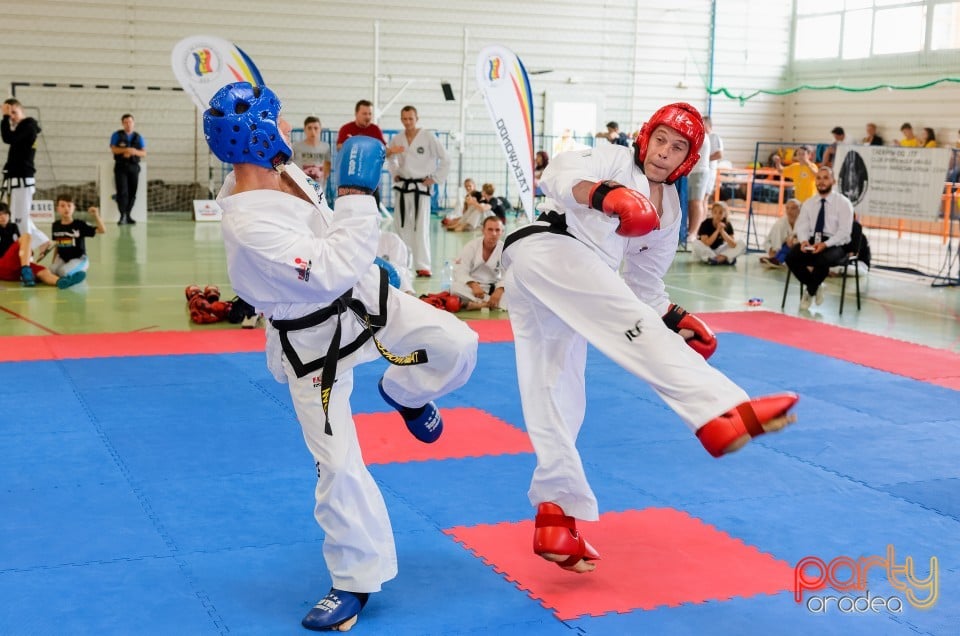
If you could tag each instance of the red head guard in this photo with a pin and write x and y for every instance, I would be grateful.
(683, 118)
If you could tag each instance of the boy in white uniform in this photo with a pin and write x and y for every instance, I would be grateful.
(312, 273)
(605, 208)
(417, 161)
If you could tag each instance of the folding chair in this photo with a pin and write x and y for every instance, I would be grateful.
(852, 258)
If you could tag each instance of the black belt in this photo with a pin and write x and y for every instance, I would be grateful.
(407, 186)
(556, 223)
(10, 183)
(371, 322)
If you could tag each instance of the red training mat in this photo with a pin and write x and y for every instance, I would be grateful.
(649, 558)
(467, 432)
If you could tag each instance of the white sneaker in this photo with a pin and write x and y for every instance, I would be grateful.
(805, 300)
(819, 296)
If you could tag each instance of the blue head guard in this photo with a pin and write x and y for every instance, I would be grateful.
(242, 126)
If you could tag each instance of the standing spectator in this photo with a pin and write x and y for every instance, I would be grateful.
(781, 238)
(16, 257)
(928, 138)
(606, 210)
(419, 162)
(716, 154)
(362, 124)
(18, 172)
(477, 272)
(613, 135)
(909, 140)
(872, 138)
(831, 152)
(310, 269)
(311, 154)
(69, 237)
(697, 182)
(823, 228)
(128, 147)
(803, 173)
(715, 242)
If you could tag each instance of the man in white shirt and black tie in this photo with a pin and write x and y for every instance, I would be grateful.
(823, 227)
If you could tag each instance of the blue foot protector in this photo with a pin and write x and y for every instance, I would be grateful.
(424, 423)
(337, 611)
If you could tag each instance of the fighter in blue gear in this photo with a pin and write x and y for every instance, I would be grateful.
(311, 271)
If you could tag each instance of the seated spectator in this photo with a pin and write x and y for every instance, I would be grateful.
(613, 135)
(781, 237)
(540, 163)
(872, 138)
(476, 208)
(803, 173)
(69, 237)
(928, 138)
(477, 272)
(909, 140)
(499, 206)
(823, 230)
(471, 194)
(15, 257)
(715, 242)
(831, 151)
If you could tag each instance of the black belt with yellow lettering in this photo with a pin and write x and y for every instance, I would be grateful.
(372, 323)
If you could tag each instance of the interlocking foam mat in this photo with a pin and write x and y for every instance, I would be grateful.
(161, 485)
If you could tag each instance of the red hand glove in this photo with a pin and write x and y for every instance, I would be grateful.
(703, 341)
(637, 215)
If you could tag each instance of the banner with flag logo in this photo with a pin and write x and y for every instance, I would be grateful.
(503, 81)
(203, 64)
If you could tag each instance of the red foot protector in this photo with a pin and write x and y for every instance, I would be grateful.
(651, 558)
(467, 432)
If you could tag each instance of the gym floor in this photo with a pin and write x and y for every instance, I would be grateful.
(138, 273)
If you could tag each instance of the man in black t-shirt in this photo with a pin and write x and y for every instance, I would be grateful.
(69, 236)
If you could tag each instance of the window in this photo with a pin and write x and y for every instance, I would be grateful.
(945, 28)
(858, 29)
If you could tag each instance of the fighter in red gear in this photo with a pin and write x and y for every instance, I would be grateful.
(590, 270)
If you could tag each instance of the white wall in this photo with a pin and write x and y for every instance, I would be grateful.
(630, 57)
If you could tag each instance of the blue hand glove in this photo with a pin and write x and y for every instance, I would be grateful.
(360, 163)
(392, 274)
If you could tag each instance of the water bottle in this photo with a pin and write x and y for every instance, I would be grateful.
(446, 276)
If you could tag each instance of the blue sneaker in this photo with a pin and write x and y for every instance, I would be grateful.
(424, 423)
(337, 611)
(71, 279)
(26, 275)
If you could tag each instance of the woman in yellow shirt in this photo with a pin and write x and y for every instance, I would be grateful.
(928, 138)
